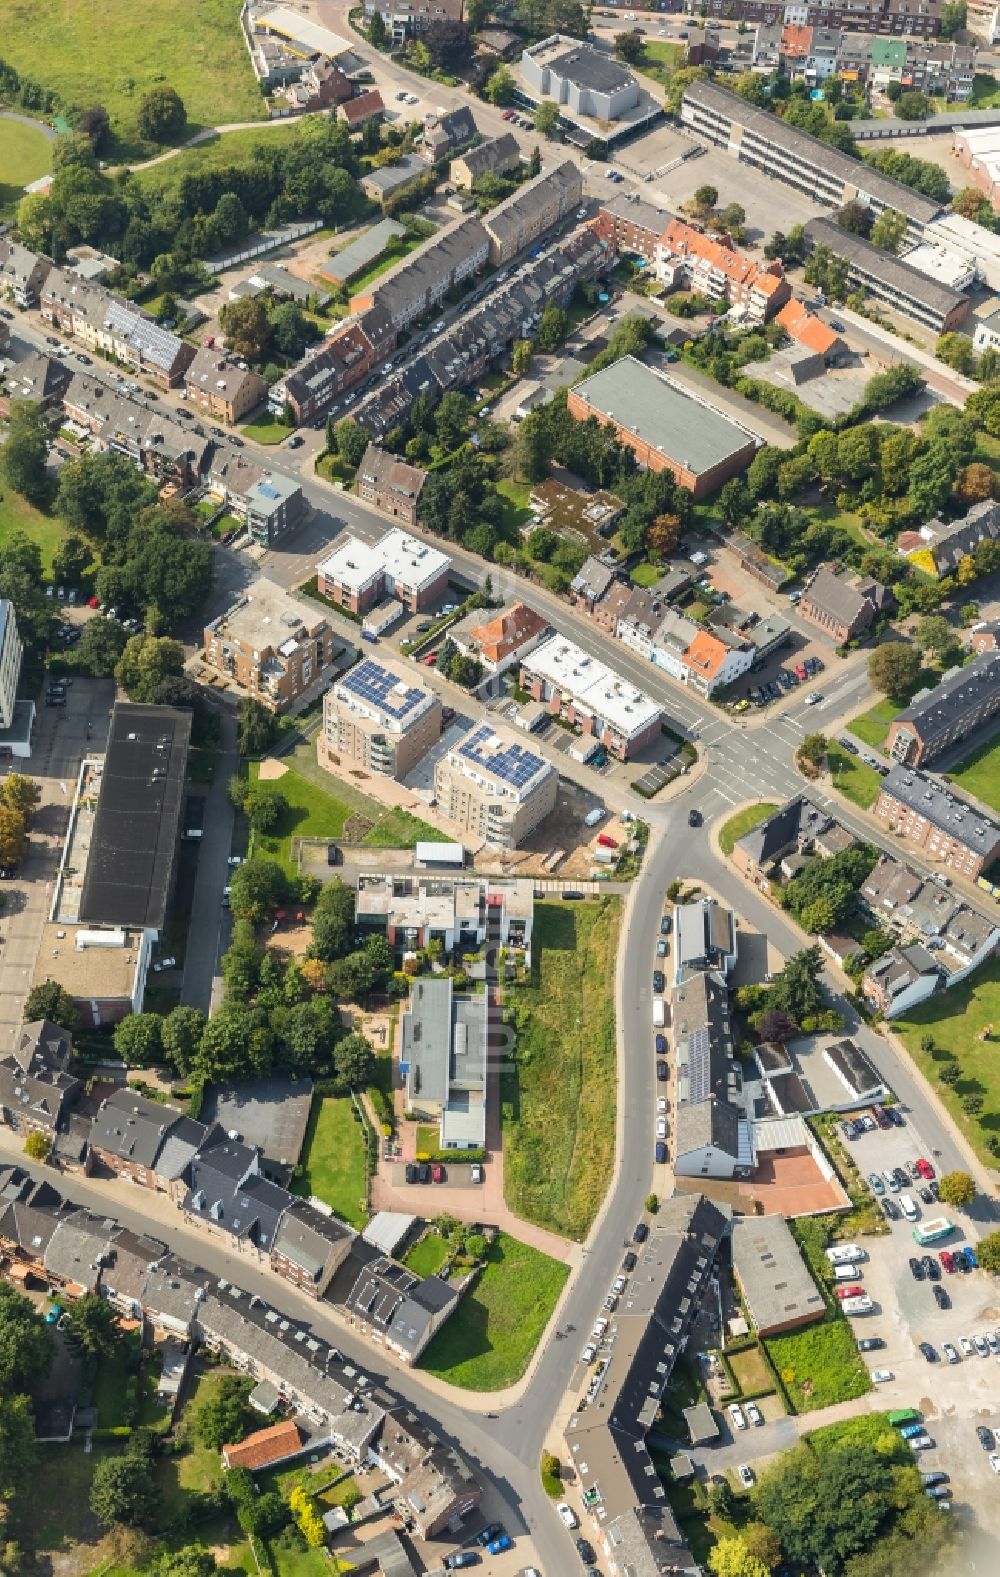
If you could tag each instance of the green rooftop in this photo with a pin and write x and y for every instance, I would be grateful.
(888, 52)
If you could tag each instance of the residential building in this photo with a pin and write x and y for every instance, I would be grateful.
(810, 331)
(714, 660)
(125, 1270)
(424, 277)
(228, 1195)
(430, 1483)
(411, 912)
(900, 979)
(591, 583)
(496, 156)
(891, 887)
(777, 1286)
(950, 830)
(143, 345)
(128, 1134)
(409, 18)
(532, 209)
(346, 356)
(443, 133)
(798, 827)
(705, 938)
(632, 227)
(606, 708)
(666, 426)
(381, 184)
(375, 714)
(321, 86)
(396, 1308)
(494, 786)
(671, 639)
(310, 1246)
(222, 388)
(580, 78)
(936, 719)
(172, 1294)
(22, 273)
(77, 1250)
(103, 968)
(37, 1090)
(784, 153)
(938, 547)
(444, 1050)
(502, 640)
(890, 279)
(985, 637)
(986, 334)
(390, 484)
(132, 855)
(265, 1448)
(686, 256)
(357, 112)
(267, 503)
(37, 378)
(622, 1493)
(359, 574)
(270, 645)
(842, 604)
(10, 662)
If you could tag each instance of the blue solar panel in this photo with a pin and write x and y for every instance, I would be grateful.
(510, 762)
(369, 681)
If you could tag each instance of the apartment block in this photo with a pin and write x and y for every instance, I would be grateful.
(714, 660)
(606, 708)
(377, 716)
(950, 830)
(268, 503)
(633, 227)
(460, 911)
(534, 208)
(494, 157)
(936, 719)
(409, 18)
(872, 16)
(493, 786)
(712, 266)
(270, 645)
(22, 273)
(220, 387)
(421, 280)
(345, 358)
(359, 574)
(890, 279)
(10, 662)
(390, 484)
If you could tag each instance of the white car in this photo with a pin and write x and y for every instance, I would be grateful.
(235, 859)
(589, 1353)
(164, 963)
(813, 698)
(661, 1127)
(754, 1413)
(568, 1515)
(736, 1414)
(747, 1475)
(882, 1376)
(950, 1353)
(966, 1346)
(995, 1462)
(477, 1173)
(661, 1104)
(619, 1285)
(980, 1346)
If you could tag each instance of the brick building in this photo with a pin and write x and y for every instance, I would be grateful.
(936, 719)
(270, 645)
(950, 830)
(390, 484)
(359, 574)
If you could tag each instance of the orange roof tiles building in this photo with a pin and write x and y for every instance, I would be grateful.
(710, 662)
(500, 642)
(810, 331)
(685, 255)
(265, 1447)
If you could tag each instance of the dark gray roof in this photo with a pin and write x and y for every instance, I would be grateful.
(854, 1066)
(713, 1123)
(897, 970)
(306, 1236)
(77, 1247)
(962, 691)
(173, 1289)
(33, 1079)
(843, 596)
(775, 1280)
(928, 798)
(968, 930)
(892, 271)
(771, 838)
(132, 1127)
(183, 1139)
(127, 1265)
(226, 1196)
(586, 68)
(684, 427)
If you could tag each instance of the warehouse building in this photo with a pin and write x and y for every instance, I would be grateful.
(778, 1291)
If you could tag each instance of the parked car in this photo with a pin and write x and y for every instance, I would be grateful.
(870, 1344)
(423, 1172)
(736, 1414)
(983, 1433)
(437, 1172)
(875, 1183)
(950, 1353)
(658, 981)
(462, 1558)
(640, 1232)
(492, 1531)
(747, 1476)
(164, 963)
(662, 1072)
(980, 1345)
(848, 1130)
(928, 1352)
(585, 1550)
(694, 818)
(754, 1413)
(924, 1168)
(476, 1174)
(947, 1261)
(882, 1376)
(568, 1515)
(661, 1153)
(916, 1268)
(848, 745)
(852, 1291)
(660, 1045)
(890, 1209)
(629, 1262)
(941, 1298)
(931, 1267)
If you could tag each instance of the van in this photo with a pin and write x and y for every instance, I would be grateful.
(845, 1273)
(862, 1305)
(908, 1206)
(845, 1254)
(659, 1013)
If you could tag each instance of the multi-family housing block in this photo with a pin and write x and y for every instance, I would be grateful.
(271, 645)
(390, 484)
(609, 710)
(936, 719)
(950, 830)
(712, 266)
(357, 574)
(377, 715)
(494, 786)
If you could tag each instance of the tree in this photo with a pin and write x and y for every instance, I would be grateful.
(535, 162)
(974, 484)
(161, 116)
(94, 124)
(988, 1253)
(796, 989)
(448, 44)
(352, 441)
(37, 1145)
(763, 1542)
(913, 106)
(307, 1517)
(477, 14)
(376, 30)
(20, 793)
(71, 560)
(23, 455)
(812, 749)
(246, 325)
(630, 46)
(188, 1562)
(258, 727)
(953, 18)
(972, 1105)
(17, 1456)
(500, 87)
(825, 1508)
(958, 1189)
(451, 419)
(353, 1061)
(144, 664)
(935, 635)
(889, 230)
(663, 534)
(26, 1346)
(124, 1490)
(777, 1025)
(224, 1415)
(101, 646)
(52, 1001)
(181, 1036)
(546, 116)
(955, 350)
(258, 886)
(705, 199)
(893, 667)
(264, 807)
(855, 217)
(139, 1039)
(92, 1326)
(553, 326)
(13, 836)
(521, 356)
(731, 1558)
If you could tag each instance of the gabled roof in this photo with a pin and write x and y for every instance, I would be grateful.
(504, 634)
(132, 1127)
(808, 329)
(264, 1447)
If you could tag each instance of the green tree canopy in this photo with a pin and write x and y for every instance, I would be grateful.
(893, 667)
(224, 1416)
(52, 1001)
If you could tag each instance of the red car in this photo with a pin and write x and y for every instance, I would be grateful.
(947, 1261)
(850, 1292)
(92, 602)
(430, 659)
(925, 1169)
(800, 672)
(607, 842)
(437, 1172)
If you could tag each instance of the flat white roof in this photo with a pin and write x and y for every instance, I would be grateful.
(594, 687)
(948, 268)
(403, 559)
(353, 563)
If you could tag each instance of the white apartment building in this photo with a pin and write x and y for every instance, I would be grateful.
(493, 785)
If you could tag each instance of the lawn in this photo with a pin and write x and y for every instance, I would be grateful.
(820, 1364)
(214, 152)
(852, 778)
(872, 727)
(426, 1257)
(489, 1340)
(985, 92)
(96, 54)
(314, 812)
(16, 514)
(333, 1159)
(267, 432)
(559, 1093)
(25, 154)
(514, 497)
(115, 1385)
(751, 1371)
(660, 60)
(955, 1021)
(743, 822)
(400, 248)
(979, 774)
(645, 574)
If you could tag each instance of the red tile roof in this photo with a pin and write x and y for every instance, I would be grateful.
(264, 1447)
(808, 329)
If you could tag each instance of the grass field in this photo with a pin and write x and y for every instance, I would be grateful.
(25, 154)
(660, 60)
(955, 1021)
(873, 726)
(559, 1096)
(333, 1159)
(514, 497)
(750, 1369)
(266, 432)
(820, 1364)
(491, 1336)
(743, 822)
(852, 778)
(645, 574)
(213, 153)
(979, 774)
(315, 812)
(426, 1257)
(95, 53)
(400, 248)
(16, 514)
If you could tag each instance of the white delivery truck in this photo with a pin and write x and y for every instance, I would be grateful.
(845, 1254)
(659, 1013)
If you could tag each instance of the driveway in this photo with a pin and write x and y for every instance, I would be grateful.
(208, 932)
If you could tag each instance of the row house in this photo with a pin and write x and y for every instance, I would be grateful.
(951, 831)
(221, 387)
(396, 1308)
(145, 1142)
(106, 323)
(22, 273)
(534, 208)
(685, 256)
(921, 17)
(631, 225)
(37, 1091)
(344, 359)
(418, 282)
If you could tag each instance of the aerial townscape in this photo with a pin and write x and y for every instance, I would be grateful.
(500, 788)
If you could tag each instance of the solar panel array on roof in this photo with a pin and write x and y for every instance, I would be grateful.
(699, 1065)
(375, 684)
(506, 760)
